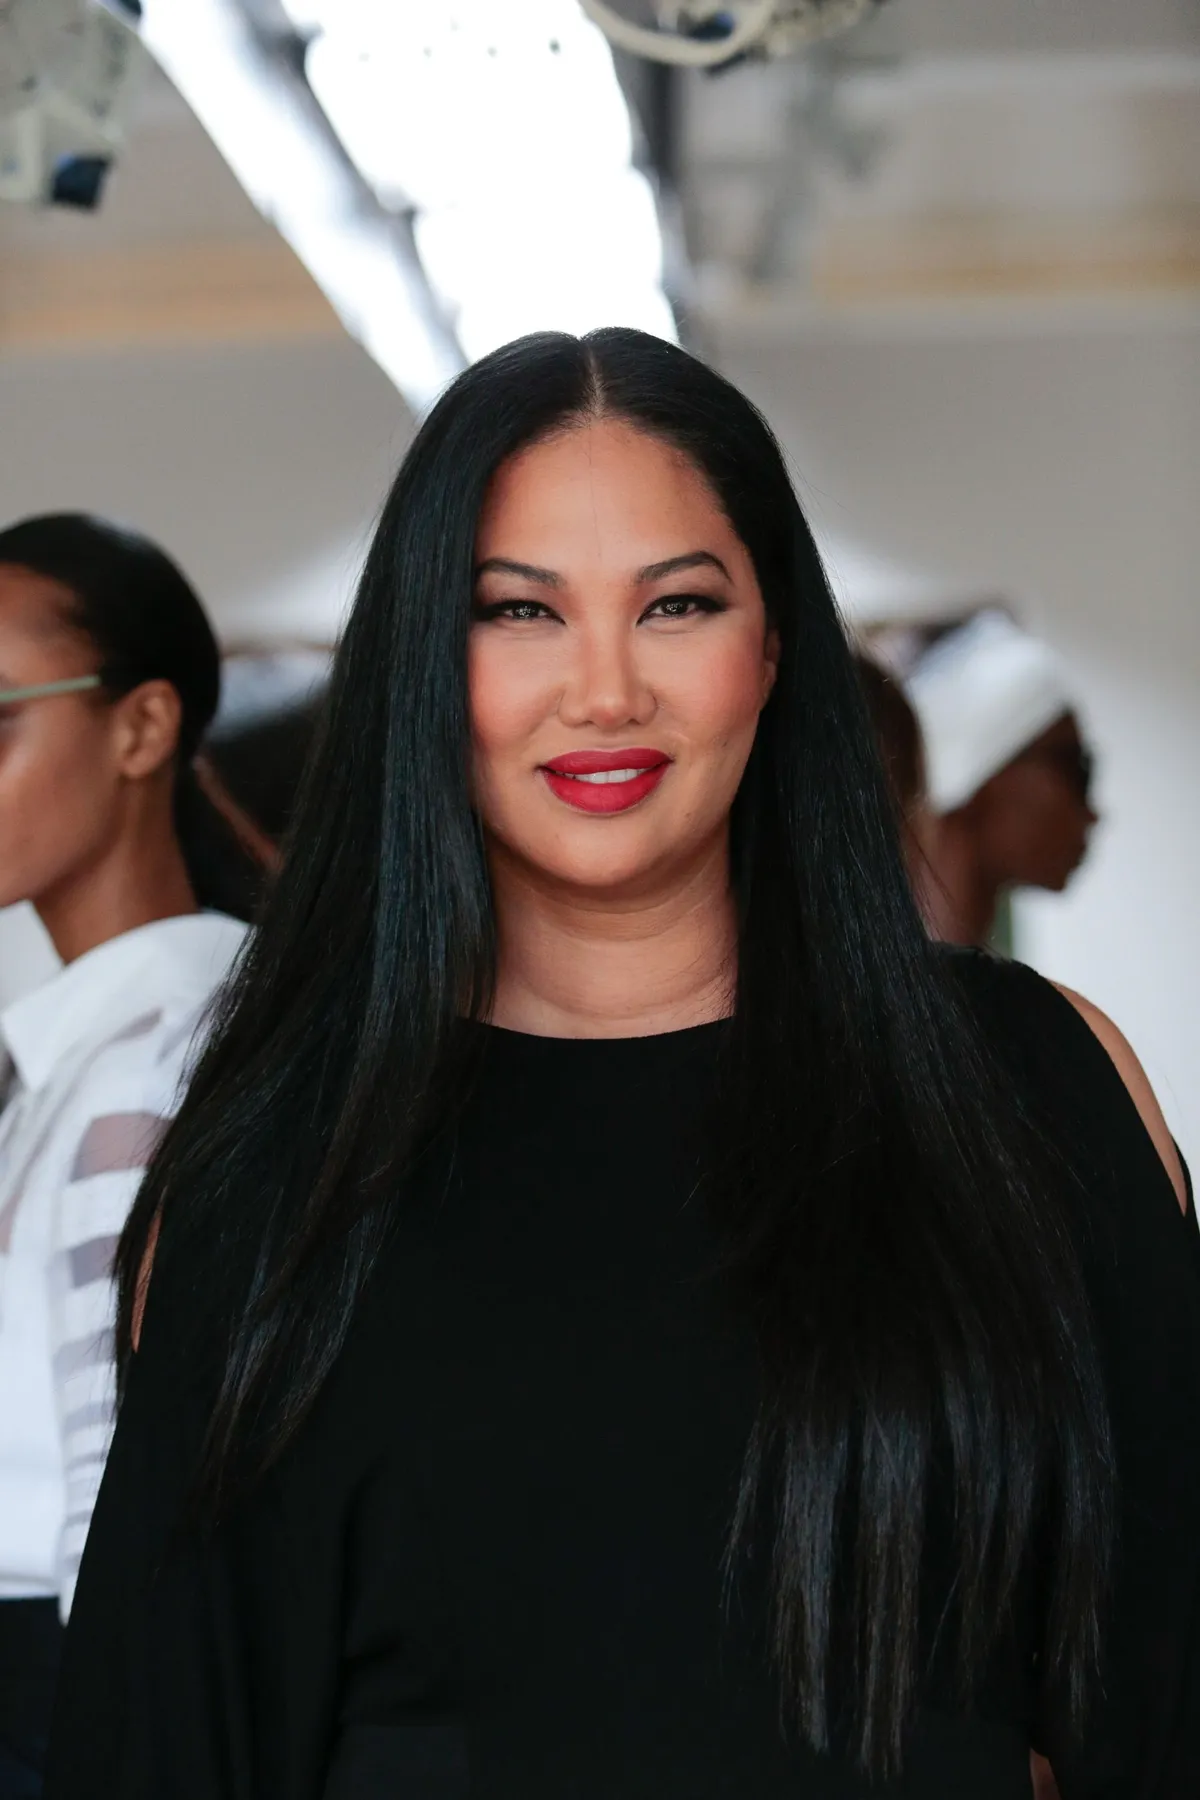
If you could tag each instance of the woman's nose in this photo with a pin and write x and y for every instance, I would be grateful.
(606, 687)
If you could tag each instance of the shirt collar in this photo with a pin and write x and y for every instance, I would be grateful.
(114, 984)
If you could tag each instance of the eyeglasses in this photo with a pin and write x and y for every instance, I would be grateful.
(43, 690)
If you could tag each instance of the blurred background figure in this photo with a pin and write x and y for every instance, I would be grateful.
(898, 734)
(264, 731)
(1009, 774)
(109, 675)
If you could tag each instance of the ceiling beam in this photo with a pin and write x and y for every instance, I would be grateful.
(974, 271)
(1006, 256)
(254, 291)
(242, 291)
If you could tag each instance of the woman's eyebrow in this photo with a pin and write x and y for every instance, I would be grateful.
(671, 565)
(695, 559)
(504, 565)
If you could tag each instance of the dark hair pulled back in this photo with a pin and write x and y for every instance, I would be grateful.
(147, 623)
(889, 1229)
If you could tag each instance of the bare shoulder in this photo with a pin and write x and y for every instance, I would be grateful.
(1130, 1070)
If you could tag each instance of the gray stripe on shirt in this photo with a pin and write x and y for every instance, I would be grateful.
(85, 1353)
(97, 1412)
(91, 1261)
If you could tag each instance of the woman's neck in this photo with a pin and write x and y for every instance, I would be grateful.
(958, 896)
(572, 964)
(147, 881)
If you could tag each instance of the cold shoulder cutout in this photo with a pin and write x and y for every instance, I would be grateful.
(1137, 1082)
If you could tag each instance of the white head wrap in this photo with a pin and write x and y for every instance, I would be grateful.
(982, 694)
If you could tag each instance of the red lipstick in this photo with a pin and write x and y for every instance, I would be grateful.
(605, 781)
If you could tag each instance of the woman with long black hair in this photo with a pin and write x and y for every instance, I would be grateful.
(109, 674)
(623, 1313)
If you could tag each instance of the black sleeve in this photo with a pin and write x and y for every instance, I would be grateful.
(1141, 1259)
(143, 1686)
(399, 1729)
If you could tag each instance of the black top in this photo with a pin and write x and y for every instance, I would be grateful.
(490, 1566)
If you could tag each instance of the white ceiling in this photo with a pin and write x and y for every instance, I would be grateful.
(954, 148)
(1017, 27)
(1012, 147)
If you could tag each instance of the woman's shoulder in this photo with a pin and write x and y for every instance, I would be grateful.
(187, 957)
(1022, 1014)
(1072, 1057)
(1123, 1057)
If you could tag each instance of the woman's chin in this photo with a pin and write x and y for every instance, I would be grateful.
(611, 877)
(606, 864)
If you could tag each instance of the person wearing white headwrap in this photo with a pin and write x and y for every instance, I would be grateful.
(1008, 773)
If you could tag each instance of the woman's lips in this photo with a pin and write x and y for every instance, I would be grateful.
(605, 781)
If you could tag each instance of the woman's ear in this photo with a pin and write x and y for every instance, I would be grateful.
(147, 723)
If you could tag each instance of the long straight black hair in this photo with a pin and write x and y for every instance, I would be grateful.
(914, 1300)
(146, 622)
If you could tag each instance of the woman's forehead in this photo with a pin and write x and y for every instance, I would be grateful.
(605, 492)
(32, 605)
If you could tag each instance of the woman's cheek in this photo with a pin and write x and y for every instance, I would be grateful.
(509, 695)
(720, 698)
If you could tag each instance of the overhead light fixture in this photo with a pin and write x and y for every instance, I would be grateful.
(503, 132)
(709, 34)
(440, 104)
(70, 73)
(278, 144)
(567, 262)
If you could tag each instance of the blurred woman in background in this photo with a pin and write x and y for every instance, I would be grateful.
(109, 675)
(1009, 774)
(621, 1312)
(898, 736)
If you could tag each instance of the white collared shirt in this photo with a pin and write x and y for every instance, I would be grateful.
(96, 1059)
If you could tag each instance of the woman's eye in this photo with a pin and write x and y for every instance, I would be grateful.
(521, 610)
(682, 606)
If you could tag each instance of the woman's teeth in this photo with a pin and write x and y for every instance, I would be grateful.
(610, 775)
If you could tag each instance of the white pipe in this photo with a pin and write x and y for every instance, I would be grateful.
(684, 52)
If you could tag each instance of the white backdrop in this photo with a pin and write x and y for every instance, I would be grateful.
(260, 469)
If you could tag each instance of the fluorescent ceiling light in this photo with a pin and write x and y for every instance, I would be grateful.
(306, 15)
(603, 232)
(266, 127)
(504, 130)
(489, 320)
(571, 263)
(439, 105)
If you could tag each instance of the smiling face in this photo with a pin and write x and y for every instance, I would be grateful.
(619, 660)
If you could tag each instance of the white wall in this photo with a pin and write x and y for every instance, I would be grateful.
(1058, 469)
(261, 469)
